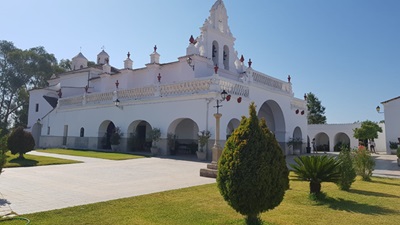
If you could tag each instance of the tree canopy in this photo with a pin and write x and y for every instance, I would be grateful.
(20, 142)
(20, 71)
(368, 130)
(315, 110)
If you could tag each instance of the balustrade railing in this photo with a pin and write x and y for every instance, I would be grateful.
(272, 82)
(99, 97)
(189, 87)
(137, 93)
(175, 89)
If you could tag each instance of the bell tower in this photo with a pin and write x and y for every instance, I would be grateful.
(216, 41)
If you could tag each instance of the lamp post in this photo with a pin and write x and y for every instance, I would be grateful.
(117, 102)
(378, 109)
(189, 61)
(217, 149)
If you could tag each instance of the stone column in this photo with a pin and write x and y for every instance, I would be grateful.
(216, 149)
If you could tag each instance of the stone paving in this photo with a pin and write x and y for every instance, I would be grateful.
(43, 188)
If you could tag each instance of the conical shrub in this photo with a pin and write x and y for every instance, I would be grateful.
(252, 172)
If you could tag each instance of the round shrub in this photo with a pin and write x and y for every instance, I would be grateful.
(20, 142)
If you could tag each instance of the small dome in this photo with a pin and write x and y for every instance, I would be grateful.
(79, 62)
(79, 56)
(103, 57)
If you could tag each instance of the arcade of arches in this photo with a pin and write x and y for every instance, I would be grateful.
(184, 131)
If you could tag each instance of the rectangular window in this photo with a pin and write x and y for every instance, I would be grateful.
(48, 130)
(37, 107)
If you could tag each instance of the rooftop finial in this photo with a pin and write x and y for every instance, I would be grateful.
(155, 48)
(129, 55)
(192, 40)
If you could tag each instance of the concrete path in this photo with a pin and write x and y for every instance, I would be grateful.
(43, 188)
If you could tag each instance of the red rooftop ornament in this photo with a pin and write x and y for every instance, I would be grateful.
(216, 69)
(228, 98)
(159, 77)
(239, 100)
(242, 59)
(297, 111)
(250, 62)
(302, 112)
(288, 78)
(116, 84)
(192, 40)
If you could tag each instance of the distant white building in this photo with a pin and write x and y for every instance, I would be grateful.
(78, 108)
(391, 109)
(327, 136)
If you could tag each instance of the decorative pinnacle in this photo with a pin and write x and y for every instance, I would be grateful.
(242, 59)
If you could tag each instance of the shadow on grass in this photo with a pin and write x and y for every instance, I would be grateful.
(352, 206)
(23, 162)
(382, 182)
(372, 193)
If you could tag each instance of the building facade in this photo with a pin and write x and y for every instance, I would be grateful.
(82, 107)
(391, 109)
(329, 137)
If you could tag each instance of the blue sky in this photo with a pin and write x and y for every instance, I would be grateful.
(347, 52)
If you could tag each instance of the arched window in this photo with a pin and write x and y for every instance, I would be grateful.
(226, 57)
(82, 133)
(215, 52)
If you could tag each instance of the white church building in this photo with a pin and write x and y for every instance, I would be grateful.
(82, 107)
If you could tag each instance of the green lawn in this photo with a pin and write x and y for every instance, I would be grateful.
(33, 160)
(376, 202)
(92, 154)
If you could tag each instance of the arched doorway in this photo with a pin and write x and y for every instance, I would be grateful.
(297, 137)
(105, 130)
(273, 115)
(232, 125)
(139, 133)
(185, 131)
(322, 142)
(341, 139)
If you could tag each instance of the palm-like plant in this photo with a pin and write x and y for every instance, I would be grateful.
(316, 169)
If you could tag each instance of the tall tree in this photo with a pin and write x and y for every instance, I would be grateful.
(315, 110)
(21, 70)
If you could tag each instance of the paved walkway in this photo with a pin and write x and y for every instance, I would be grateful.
(43, 188)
